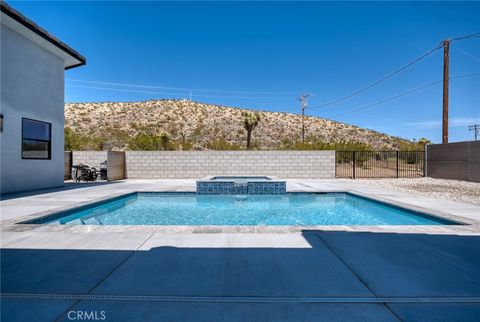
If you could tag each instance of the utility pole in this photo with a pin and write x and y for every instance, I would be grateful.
(475, 128)
(303, 100)
(446, 49)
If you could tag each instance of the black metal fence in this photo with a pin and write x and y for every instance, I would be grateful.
(379, 164)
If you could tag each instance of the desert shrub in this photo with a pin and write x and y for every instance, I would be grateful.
(411, 146)
(198, 129)
(285, 144)
(413, 158)
(73, 140)
(166, 143)
(338, 146)
(256, 145)
(134, 125)
(222, 144)
(185, 145)
(151, 142)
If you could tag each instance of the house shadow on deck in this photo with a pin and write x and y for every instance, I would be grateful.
(316, 276)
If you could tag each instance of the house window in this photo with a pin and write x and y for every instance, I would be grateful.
(36, 139)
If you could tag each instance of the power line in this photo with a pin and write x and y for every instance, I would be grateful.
(471, 36)
(190, 90)
(388, 76)
(402, 94)
(303, 100)
(446, 78)
(181, 88)
(475, 35)
(475, 128)
(122, 90)
(446, 62)
(169, 94)
(123, 84)
(286, 110)
(445, 89)
(228, 96)
(467, 53)
(388, 99)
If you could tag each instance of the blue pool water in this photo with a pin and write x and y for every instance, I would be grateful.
(305, 209)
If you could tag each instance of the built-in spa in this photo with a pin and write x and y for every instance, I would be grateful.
(241, 185)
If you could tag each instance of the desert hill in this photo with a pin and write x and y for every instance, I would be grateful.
(193, 125)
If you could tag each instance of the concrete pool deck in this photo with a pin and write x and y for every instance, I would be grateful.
(27, 206)
(402, 273)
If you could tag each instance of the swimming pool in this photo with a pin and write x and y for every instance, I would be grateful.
(291, 209)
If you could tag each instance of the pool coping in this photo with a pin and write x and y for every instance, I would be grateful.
(465, 225)
(250, 178)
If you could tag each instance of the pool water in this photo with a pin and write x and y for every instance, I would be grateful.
(291, 209)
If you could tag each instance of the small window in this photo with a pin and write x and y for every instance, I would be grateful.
(36, 139)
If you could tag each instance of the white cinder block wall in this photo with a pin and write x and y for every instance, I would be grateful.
(91, 158)
(198, 164)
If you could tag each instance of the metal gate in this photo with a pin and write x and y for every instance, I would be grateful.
(379, 164)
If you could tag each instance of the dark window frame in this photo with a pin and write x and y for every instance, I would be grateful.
(38, 140)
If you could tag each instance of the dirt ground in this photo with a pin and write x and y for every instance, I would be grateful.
(463, 191)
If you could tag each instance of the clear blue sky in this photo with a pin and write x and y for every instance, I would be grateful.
(279, 49)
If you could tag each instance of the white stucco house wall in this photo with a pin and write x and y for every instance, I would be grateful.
(32, 67)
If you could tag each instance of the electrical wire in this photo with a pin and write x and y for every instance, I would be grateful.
(169, 94)
(182, 89)
(475, 35)
(467, 53)
(122, 90)
(388, 99)
(417, 89)
(336, 101)
(388, 76)
(471, 36)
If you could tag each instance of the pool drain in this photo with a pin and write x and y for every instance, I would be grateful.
(240, 299)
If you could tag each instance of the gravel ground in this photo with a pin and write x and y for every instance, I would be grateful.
(462, 191)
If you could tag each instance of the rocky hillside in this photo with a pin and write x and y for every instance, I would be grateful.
(200, 124)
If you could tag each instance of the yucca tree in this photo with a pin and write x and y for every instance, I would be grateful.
(424, 141)
(250, 122)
